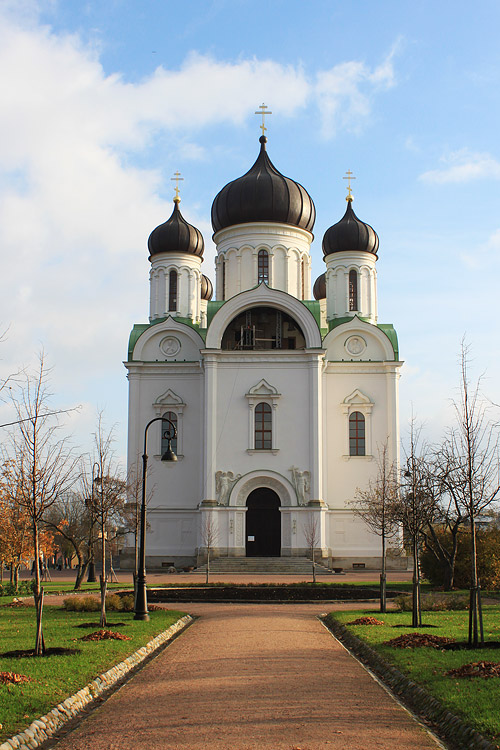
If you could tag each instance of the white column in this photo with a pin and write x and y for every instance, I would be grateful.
(315, 428)
(210, 429)
(238, 279)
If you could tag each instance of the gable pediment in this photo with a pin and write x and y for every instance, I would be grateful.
(263, 389)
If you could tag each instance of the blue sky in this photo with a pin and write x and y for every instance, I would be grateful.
(104, 101)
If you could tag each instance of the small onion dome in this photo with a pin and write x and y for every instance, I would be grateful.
(350, 234)
(263, 194)
(207, 289)
(319, 288)
(176, 236)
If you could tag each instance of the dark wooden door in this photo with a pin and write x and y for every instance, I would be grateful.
(263, 524)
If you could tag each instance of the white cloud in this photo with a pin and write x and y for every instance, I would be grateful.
(464, 166)
(482, 255)
(75, 215)
(345, 93)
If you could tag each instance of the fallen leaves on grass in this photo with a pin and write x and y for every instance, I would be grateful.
(415, 640)
(12, 678)
(16, 603)
(105, 635)
(476, 669)
(366, 621)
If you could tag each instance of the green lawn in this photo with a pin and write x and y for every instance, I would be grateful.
(475, 700)
(59, 676)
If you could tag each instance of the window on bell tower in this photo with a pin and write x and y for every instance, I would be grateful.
(263, 267)
(172, 291)
(353, 290)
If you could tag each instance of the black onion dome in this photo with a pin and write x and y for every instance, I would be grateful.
(263, 194)
(350, 234)
(319, 288)
(176, 236)
(207, 289)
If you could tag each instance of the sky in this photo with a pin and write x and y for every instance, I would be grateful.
(103, 101)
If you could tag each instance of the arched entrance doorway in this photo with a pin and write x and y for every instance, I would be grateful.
(263, 523)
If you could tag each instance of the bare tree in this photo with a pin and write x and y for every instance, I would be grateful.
(311, 535)
(70, 518)
(107, 501)
(473, 453)
(415, 506)
(39, 465)
(209, 538)
(377, 507)
(441, 534)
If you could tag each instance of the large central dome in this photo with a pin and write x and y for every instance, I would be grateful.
(263, 194)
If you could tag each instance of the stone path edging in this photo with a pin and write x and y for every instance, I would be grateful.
(412, 695)
(46, 726)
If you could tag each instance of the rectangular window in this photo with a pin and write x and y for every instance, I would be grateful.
(263, 427)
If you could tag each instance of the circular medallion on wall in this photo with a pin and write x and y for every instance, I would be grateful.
(170, 346)
(355, 346)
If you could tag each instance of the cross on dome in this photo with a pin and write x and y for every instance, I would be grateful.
(349, 177)
(177, 178)
(263, 111)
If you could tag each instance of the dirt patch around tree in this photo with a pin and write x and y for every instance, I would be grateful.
(106, 635)
(366, 621)
(56, 651)
(417, 640)
(483, 669)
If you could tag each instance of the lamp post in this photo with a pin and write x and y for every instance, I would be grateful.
(91, 576)
(141, 601)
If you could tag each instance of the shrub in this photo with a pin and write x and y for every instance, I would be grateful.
(24, 587)
(488, 559)
(433, 602)
(82, 604)
(114, 603)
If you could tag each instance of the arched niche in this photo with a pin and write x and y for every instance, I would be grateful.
(262, 296)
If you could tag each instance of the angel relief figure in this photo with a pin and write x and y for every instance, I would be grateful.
(224, 483)
(301, 482)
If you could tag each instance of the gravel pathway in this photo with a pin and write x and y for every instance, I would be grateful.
(251, 676)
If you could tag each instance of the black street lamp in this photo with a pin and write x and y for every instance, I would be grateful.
(141, 600)
(91, 576)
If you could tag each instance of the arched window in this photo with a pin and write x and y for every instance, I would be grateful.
(303, 278)
(353, 290)
(166, 430)
(356, 434)
(263, 266)
(263, 427)
(172, 291)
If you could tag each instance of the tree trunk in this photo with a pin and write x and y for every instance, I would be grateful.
(383, 593)
(208, 565)
(416, 619)
(103, 578)
(476, 634)
(81, 573)
(38, 595)
(313, 565)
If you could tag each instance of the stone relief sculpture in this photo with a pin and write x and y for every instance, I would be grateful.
(300, 480)
(224, 483)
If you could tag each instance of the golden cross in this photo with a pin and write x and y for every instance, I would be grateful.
(349, 178)
(263, 112)
(176, 178)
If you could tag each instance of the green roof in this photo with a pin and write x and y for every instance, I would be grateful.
(139, 329)
(386, 328)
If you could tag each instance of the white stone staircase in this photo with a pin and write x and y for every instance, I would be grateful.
(264, 565)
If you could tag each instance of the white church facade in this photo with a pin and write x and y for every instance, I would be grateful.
(280, 401)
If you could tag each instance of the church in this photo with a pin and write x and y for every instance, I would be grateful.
(281, 399)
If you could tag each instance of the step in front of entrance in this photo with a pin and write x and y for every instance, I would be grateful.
(274, 565)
